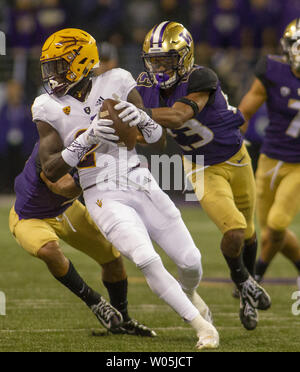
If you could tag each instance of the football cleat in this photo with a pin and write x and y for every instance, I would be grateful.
(134, 328)
(208, 339)
(252, 292)
(107, 315)
(235, 293)
(248, 315)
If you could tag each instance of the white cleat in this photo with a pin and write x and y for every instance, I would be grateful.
(210, 340)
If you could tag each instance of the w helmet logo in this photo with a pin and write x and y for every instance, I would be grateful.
(187, 38)
(2, 44)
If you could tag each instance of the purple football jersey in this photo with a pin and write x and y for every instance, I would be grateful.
(214, 132)
(34, 199)
(282, 138)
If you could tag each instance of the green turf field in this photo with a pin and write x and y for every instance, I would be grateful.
(43, 316)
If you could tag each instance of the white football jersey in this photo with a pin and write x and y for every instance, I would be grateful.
(70, 117)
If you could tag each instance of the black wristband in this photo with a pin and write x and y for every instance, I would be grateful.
(191, 103)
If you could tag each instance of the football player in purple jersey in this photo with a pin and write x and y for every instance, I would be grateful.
(187, 99)
(44, 213)
(277, 84)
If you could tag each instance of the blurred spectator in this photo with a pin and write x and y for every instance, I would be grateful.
(174, 10)
(23, 29)
(264, 16)
(226, 22)
(108, 57)
(102, 18)
(51, 17)
(198, 18)
(17, 135)
(141, 15)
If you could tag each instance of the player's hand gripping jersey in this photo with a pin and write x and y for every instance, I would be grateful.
(214, 132)
(282, 138)
(70, 118)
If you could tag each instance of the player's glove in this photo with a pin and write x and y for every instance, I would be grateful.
(100, 131)
(134, 116)
(130, 113)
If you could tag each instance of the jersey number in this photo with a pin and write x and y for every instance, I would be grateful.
(194, 127)
(294, 128)
(89, 160)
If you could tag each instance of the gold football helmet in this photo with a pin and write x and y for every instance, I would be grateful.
(168, 53)
(67, 57)
(290, 43)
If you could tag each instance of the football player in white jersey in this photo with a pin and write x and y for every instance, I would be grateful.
(123, 199)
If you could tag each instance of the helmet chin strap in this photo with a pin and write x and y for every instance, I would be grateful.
(164, 80)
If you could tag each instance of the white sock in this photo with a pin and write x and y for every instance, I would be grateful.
(166, 287)
(199, 303)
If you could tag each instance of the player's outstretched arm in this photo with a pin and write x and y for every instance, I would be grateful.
(252, 101)
(183, 110)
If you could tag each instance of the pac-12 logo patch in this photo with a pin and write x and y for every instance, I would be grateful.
(67, 110)
(87, 110)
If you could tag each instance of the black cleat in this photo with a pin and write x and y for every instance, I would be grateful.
(248, 315)
(251, 291)
(107, 315)
(235, 293)
(134, 328)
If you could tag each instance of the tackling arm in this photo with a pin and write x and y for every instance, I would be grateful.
(135, 98)
(252, 101)
(65, 186)
(174, 117)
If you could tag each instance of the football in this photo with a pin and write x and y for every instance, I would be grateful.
(127, 134)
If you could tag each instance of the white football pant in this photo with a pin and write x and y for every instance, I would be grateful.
(131, 218)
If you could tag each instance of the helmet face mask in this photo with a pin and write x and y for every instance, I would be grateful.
(54, 76)
(168, 54)
(290, 43)
(162, 68)
(68, 56)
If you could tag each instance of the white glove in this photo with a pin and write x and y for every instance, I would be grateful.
(99, 131)
(131, 114)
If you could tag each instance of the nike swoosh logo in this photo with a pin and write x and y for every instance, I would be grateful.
(239, 161)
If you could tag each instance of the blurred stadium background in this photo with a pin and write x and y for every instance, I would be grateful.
(229, 35)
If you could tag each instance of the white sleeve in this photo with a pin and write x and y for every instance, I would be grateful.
(128, 83)
(45, 110)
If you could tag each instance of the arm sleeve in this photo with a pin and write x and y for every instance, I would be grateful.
(202, 80)
(261, 71)
(45, 110)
